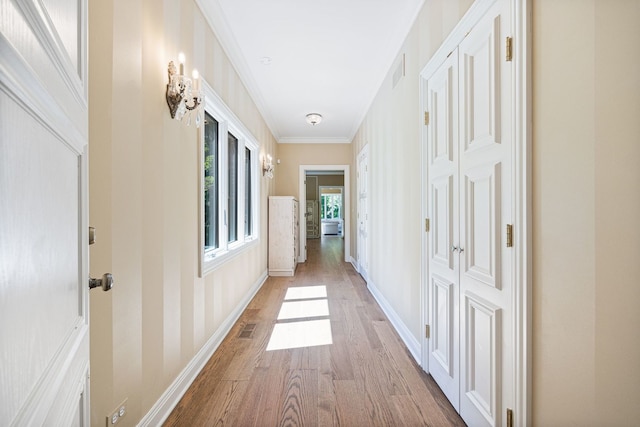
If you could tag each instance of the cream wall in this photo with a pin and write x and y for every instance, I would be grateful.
(291, 156)
(586, 100)
(144, 203)
(586, 203)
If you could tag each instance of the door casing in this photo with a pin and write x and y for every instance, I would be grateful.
(302, 195)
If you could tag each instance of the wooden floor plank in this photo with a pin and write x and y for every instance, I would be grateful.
(365, 377)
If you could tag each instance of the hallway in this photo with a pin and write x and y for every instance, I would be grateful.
(362, 376)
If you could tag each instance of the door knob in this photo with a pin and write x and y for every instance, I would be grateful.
(106, 282)
(461, 250)
(454, 248)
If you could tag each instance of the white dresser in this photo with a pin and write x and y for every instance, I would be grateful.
(283, 235)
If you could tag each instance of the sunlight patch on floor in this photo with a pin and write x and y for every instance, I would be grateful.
(306, 292)
(307, 333)
(304, 305)
(303, 309)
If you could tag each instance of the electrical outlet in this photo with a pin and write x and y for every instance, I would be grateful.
(119, 412)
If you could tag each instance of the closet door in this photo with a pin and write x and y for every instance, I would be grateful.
(442, 194)
(485, 159)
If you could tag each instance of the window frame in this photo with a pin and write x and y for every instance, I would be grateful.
(228, 123)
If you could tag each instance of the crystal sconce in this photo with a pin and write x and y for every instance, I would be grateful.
(267, 166)
(183, 94)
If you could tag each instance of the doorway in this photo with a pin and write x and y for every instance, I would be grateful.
(331, 210)
(321, 171)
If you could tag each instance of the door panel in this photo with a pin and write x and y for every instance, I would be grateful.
(480, 91)
(482, 200)
(443, 331)
(482, 358)
(443, 216)
(44, 329)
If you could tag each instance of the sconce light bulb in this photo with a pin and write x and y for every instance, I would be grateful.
(195, 74)
(181, 62)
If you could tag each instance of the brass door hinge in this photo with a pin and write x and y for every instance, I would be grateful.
(427, 225)
(426, 118)
(509, 417)
(509, 235)
(427, 331)
(509, 48)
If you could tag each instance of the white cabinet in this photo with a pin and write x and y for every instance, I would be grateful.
(283, 235)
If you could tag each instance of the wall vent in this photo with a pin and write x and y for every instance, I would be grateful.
(399, 72)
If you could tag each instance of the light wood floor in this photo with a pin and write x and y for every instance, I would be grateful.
(365, 377)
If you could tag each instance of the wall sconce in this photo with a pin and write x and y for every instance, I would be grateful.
(183, 94)
(267, 166)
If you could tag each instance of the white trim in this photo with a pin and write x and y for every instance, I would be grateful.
(522, 303)
(161, 410)
(354, 263)
(310, 140)
(302, 198)
(424, 264)
(405, 334)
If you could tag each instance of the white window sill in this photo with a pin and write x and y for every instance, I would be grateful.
(219, 258)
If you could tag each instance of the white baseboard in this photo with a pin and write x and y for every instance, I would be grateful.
(170, 398)
(353, 262)
(405, 334)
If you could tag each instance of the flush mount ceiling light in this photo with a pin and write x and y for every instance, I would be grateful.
(314, 118)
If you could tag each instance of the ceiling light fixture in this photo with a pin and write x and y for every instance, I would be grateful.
(314, 118)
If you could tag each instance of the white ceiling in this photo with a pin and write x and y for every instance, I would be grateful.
(328, 57)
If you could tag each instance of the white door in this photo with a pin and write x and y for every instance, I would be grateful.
(442, 196)
(44, 322)
(469, 198)
(485, 158)
(363, 212)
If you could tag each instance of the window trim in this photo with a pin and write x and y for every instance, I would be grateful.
(228, 122)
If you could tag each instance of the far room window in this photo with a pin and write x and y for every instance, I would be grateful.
(331, 206)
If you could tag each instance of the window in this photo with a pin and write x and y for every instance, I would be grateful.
(233, 188)
(229, 174)
(247, 193)
(210, 182)
(331, 206)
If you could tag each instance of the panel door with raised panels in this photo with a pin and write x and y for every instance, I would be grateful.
(363, 212)
(442, 194)
(485, 209)
(44, 322)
